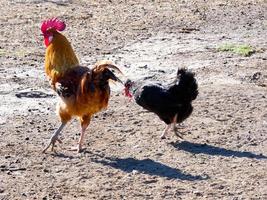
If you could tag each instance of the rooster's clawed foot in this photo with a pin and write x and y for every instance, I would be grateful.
(52, 143)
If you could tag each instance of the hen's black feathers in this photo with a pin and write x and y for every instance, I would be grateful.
(166, 102)
(186, 88)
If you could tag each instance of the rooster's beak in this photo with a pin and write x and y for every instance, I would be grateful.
(119, 80)
(113, 77)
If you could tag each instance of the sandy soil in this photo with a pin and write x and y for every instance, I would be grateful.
(224, 153)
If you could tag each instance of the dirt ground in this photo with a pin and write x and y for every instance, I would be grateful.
(224, 152)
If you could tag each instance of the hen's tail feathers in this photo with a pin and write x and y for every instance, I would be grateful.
(187, 87)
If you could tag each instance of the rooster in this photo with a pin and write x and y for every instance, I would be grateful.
(171, 103)
(82, 91)
(59, 55)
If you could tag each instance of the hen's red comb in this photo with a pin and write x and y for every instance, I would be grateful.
(53, 23)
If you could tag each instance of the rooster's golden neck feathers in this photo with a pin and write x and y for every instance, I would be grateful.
(60, 56)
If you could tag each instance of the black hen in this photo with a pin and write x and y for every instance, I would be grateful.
(171, 103)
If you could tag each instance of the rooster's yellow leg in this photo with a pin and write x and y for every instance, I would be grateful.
(81, 139)
(55, 138)
(85, 121)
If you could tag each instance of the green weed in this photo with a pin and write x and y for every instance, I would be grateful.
(243, 50)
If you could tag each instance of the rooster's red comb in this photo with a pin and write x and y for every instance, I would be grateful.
(53, 23)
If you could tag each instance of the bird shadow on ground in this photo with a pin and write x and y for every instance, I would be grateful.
(147, 166)
(197, 148)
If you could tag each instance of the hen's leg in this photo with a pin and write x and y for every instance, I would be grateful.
(163, 135)
(174, 122)
(55, 138)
